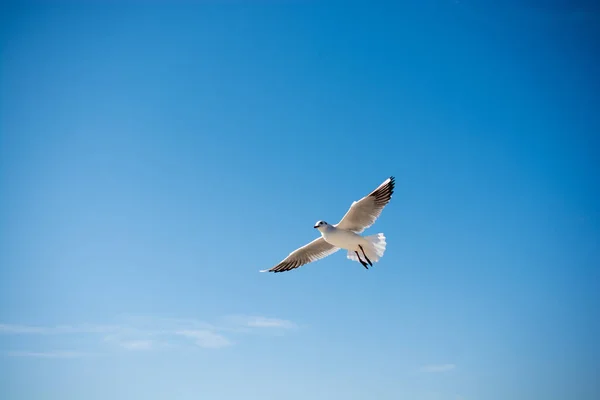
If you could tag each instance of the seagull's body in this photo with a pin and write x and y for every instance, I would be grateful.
(340, 237)
(346, 234)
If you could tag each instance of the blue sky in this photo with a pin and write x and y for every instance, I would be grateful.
(154, 159)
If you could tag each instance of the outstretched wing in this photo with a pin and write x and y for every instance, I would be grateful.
(363, 213)
(313, 251)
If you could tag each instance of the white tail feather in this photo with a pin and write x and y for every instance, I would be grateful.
(374, 248)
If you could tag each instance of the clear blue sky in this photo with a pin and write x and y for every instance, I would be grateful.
(154, 159)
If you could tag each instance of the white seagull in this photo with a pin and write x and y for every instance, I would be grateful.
(345, 234)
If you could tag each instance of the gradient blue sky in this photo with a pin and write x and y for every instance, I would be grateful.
(154, 159)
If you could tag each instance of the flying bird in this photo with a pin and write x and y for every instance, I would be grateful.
(346, 234)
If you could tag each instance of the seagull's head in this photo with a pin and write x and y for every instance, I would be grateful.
(320, 225)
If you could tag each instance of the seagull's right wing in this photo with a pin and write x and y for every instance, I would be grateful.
(363, 213)
(313, 251)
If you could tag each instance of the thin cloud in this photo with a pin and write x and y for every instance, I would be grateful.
(55, 330)
(22, 329)
(250, 323)
(137, 344)
(143, 333)
(263, 322)
(162, 324)
(438, 368)
(206, 339)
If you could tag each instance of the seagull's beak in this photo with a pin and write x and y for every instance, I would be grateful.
(316, 226)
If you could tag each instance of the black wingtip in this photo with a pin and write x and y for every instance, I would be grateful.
(390, 185)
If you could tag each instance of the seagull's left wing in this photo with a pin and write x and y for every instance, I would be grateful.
(363, 213)
(313, 251)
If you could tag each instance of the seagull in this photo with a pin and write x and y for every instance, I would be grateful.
(346, 234)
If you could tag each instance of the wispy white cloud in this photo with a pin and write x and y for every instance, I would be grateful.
(55, 330)
(144, 333)
(263, 322)
(253, 324)
(438, 367)
(206, 339)
(137, 344)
